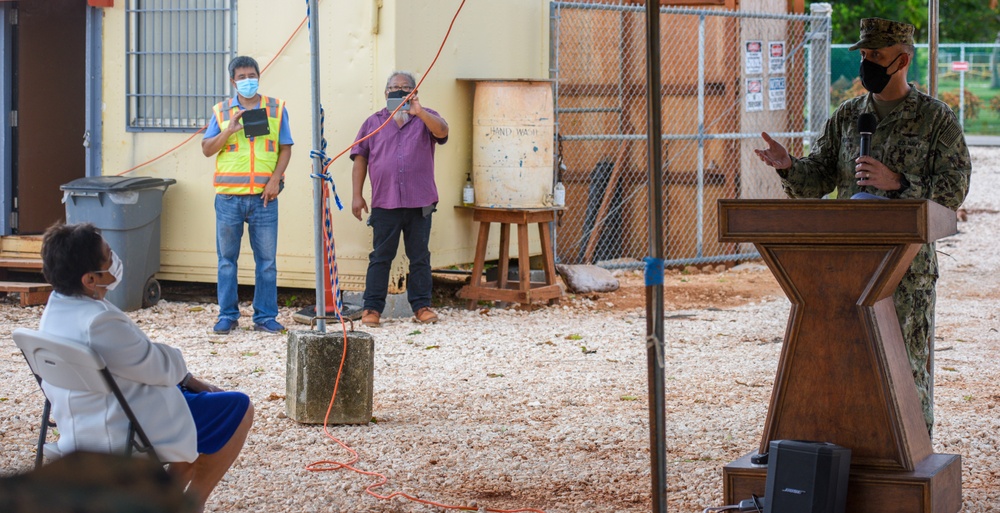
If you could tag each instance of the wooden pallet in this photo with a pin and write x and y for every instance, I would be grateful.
(21, 264)
(31, 293)
(21, 246)
(21, 254)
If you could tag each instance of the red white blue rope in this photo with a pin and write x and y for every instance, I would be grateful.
(329, 244)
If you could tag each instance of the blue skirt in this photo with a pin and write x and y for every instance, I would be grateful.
(216, 417)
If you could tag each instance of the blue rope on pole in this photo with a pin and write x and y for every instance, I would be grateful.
(309, 22)
(329, 244)
(321, 154)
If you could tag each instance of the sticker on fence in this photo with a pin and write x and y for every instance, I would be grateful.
(776, 57)
(754, 57)
(776, 93)
(755, 95)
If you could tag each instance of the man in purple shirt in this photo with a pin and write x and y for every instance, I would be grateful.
(400, 160)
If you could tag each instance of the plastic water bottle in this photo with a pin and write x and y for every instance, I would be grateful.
(559, 195)
(468, 193)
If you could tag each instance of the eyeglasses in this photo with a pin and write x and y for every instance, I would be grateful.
(405, 89)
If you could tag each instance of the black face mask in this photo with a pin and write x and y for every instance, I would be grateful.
(875, 77)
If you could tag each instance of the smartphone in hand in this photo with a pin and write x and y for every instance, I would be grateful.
(395, 98)
(392, 103)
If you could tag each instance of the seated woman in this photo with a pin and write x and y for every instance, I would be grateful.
(195, 427)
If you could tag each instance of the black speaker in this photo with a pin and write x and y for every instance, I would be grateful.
(806, 477)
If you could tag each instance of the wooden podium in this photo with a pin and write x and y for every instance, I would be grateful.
(844, 375)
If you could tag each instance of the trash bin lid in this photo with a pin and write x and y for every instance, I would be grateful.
(116, 183)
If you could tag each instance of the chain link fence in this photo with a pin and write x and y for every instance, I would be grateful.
(726, 77)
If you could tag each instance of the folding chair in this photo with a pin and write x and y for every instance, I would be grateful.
(74, 366)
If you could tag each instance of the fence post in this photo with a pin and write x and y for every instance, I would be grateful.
(700, 225)
(961, 89)
(819, 67)
(554, 19)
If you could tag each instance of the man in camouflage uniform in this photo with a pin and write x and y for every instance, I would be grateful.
(918, 151)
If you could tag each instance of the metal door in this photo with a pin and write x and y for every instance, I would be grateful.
(49, 99)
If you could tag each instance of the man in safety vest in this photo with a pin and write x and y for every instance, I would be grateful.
(249, 174)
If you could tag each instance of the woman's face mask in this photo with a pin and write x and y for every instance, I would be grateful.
(875, 77)
(117, 269)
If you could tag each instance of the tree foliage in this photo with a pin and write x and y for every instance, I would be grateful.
(975, 21)
(960, 21)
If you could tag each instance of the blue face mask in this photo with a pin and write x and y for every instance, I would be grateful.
(247, 87)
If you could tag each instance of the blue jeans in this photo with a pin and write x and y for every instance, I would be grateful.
(231, 212)
(387, 224)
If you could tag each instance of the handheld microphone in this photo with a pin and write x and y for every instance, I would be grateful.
(866, 126)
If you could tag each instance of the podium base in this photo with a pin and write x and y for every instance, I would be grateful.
(935, 486)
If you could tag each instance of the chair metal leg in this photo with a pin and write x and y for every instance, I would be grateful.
(132, 444)
(42, 433)
(145, 447)
(137, 442)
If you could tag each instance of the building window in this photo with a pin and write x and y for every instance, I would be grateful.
(177, 53)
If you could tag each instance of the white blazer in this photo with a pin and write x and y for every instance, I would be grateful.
(146, 372)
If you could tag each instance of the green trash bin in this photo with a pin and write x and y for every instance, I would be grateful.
(127, 211)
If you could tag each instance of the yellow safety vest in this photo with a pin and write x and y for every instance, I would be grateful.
(244, 166)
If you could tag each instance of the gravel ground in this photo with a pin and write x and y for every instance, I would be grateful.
(547, 409)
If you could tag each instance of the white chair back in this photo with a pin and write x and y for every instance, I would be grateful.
(62, 362)
(74, 366)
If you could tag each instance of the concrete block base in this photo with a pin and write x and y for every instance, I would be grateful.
(313, 361)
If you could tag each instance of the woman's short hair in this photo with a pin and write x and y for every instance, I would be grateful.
(68, 252)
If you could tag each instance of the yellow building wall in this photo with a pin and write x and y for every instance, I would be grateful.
(361, 43)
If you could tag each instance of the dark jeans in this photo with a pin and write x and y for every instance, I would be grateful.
(387, 224)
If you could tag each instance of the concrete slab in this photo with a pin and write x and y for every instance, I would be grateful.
(982, 140)
(397, 306)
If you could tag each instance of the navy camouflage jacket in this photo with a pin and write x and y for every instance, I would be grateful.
(921, 138)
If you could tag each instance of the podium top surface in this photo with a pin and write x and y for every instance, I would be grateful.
(835, 221)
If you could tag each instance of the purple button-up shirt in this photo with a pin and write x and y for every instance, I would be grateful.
(400, 161)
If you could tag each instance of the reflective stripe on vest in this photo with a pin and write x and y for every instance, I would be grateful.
(258, 179)
(244, 166)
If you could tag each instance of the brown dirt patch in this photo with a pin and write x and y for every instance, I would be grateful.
(695, 289)
(683, 289)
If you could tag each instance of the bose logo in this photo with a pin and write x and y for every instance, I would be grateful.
(793, 490)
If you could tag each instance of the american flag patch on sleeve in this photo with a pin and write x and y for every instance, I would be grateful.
(951, 135)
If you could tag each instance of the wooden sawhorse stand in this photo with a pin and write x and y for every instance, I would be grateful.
(524, 291)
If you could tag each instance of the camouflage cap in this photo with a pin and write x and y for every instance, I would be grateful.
(880, 33)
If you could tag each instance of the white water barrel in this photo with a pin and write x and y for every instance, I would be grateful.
(512, 129)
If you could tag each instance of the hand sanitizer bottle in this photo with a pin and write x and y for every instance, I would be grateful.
(559, 195)
(468, 193)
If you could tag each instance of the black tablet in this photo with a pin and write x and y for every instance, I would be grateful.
(255, 123)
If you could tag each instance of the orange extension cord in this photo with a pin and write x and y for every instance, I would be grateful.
(202, 129)
(329, 465)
